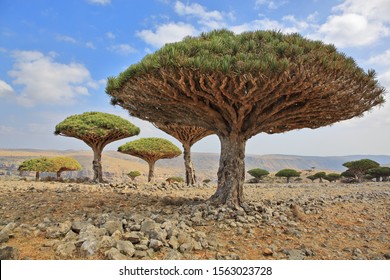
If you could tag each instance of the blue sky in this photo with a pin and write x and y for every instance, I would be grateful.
(55, 57)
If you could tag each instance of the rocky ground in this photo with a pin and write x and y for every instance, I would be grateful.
(52, 220)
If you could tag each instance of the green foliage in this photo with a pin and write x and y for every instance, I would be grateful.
(332, 177)
(95, 124)
(42, 164)
(311, 177)
(134, 174)
(258, 173)
(65, 164)
(359, 168)
(175, 179)
(288, 173)
(380, 172)
(267, 52)
(150, 148)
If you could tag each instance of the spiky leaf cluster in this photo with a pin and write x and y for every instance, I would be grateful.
(95, 127)
(150, 149)
(65, 164)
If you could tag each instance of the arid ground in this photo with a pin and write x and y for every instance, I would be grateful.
(41, 220)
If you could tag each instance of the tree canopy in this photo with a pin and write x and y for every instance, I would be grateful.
(188, 136)
(150, 150)
(97, 130)
(288, 173)
(359, 168)
(240, 85)
(61, 164)
(42, 164)
(258, 173)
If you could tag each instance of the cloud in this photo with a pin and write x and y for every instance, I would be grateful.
(41, 80)
(350, 30)
(356, 23)
(110, 35)
(5, 89)
(209, 19)
(288, 24)
(272, 5)
(99, 2)
(122, 49)
(66, 39)
(381, 59)
(167, 33)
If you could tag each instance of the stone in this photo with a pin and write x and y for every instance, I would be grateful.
(173, 255)
(174, 243)
(66, 250)
(112, 226)
(268, 252)
(9, 253)
(107, 242)
(90, 246)
(9, 228)
(114, 254)
(140, 254)
(77, 226)
(155, 244)
(186, 247)
(133, 237)
(125, 247)
(3, 237)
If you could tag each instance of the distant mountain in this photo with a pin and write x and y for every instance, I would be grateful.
(116, 165)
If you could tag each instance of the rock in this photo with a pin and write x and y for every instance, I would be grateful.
(294, 254)
(114, 254)
(148, 225)
(78, 225)
(112, 226)
(90, 246)
(9, 228)
(357, 252)
(66, 250)
(140, 254)
(155, 244)
(3, 237)
(186, 247)
(107, 242)
(268, 252)
(173, 255)
(9, 253)
(125, 247)
(133, 237)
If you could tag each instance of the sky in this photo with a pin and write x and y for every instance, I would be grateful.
(55, 58)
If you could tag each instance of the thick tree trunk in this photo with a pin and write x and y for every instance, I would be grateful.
(190, 171)
(97, 165)
(59, 174)
(231, 173)
(37, 176)
(151, 171)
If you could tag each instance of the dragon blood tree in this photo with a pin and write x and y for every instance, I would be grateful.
(241, 85)
(188, 136)
(97, 130)
(150, 150)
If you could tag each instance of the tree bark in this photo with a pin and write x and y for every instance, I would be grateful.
(37, 176)
(151, 170)
(231, 173)
(190, 171)
(97, 165)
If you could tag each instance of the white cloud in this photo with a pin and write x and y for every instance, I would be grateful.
(66, 39)
(167, 33)
(42, 80)
(378, 10)
(356, 23)
(110, 35)
(348, 30)
(272, 5)
(5, 89)
(123, 49)
(100, 2)
(90, 45)
(209, 19)
(288, 24)
(381, 59)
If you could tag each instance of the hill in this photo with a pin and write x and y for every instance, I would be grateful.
(116, 165)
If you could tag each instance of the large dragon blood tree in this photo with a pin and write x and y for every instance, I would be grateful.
(188, 136)
(240, 85)
(97, 130)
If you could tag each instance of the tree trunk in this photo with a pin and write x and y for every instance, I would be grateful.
(151, 170)
(37, 176)
(190, 171)
(97, 165)
(59, 174)
(231, 172)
